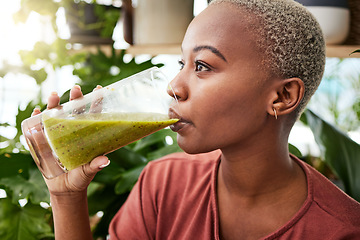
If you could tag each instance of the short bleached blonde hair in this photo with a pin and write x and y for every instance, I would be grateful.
(290, 39)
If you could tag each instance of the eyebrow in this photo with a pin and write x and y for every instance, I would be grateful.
(212, 49)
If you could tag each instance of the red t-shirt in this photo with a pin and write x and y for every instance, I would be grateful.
(175, 198)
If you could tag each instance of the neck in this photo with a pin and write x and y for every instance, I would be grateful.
(257, 172)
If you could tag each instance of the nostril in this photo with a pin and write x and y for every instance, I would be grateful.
(177, 88)
(172, 93)
(177, 98)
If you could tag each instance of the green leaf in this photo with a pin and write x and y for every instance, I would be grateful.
(109, 203)
(128, 180)
(33, 189)
(339, 151)
(3, 139)
(12, 164)
(356, 51)
(109, 174)
(30, 222)
(356, 108)
(21, 116)
(96, 69)
(294, 150)
(93, 187)
(4, 125)
(121, 159)
(127, 158)
(101, 199)
(41, 50)
(161, 152)
(39, 75)
(152, 139)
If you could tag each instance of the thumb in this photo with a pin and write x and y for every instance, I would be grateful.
(100, 162)
(81, 177)
(96, 165)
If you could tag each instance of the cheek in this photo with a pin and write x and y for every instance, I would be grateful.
(232, 113)
(228, 103)
(222, 115)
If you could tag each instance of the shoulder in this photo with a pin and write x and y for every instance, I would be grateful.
(330, 201)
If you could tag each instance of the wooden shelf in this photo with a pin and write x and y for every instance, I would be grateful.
(155, 49)
(172, 49)
(342, 51)
(339, 51)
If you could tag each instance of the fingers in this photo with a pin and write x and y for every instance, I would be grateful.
(95, 166)
(75, 92)
(96, 105)
(97, 87)
(36, 112)
(53, 100)
(99, 163)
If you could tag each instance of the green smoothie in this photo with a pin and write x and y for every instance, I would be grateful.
(78, 139)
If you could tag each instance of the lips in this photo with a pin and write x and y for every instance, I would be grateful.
(176, 127)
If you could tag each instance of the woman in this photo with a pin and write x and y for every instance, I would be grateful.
(248, 68)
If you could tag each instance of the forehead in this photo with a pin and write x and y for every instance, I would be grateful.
(226, 27)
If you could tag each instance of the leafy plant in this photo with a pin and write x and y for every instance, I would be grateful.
(115, 181)
(338, 93)
(81, 15)
(356, 51)
(21, 179)
(91, 18)
(99, 68)
(29, 222)
(338, 151)
(25, 212)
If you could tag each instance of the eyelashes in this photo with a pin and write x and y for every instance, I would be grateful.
(199, 65)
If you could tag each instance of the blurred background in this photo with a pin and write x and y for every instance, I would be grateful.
(50, 45)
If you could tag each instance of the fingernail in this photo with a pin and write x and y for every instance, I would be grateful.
(77, 87)
(104, 165)
(54, 93)
(97, 88)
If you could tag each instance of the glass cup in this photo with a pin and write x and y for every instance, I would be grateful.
(66, 137)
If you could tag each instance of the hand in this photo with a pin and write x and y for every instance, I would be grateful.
(76, 180)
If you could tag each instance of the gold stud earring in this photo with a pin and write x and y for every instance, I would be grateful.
(275, 113)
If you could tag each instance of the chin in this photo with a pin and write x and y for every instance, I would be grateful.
(193, 148)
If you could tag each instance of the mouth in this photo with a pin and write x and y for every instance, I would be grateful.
(176, 127)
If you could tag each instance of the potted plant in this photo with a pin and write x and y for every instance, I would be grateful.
(158, 21)
(333, 17)
(21, 180)
(89, 22)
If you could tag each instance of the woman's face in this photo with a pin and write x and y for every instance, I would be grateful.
(222, 86)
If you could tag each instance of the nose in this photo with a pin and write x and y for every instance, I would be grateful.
(178, 88)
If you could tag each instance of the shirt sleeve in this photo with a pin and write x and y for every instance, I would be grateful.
(136, 219)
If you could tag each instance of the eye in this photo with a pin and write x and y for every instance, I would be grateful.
(201, 66)
(181, 64)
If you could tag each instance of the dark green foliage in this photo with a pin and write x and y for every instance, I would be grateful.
(339, 151)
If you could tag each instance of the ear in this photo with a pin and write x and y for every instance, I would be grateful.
(289, 93)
